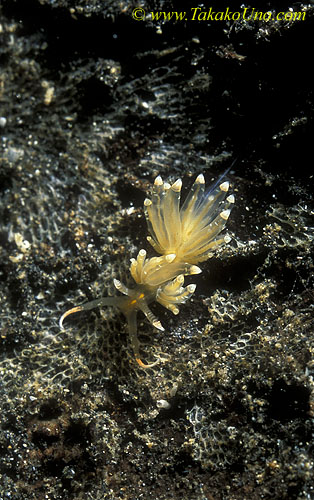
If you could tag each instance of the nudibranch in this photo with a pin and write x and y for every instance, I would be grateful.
(183, 236)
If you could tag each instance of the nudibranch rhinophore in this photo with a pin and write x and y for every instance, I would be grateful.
(183, 236)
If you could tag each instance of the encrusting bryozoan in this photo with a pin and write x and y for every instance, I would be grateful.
(183, 237)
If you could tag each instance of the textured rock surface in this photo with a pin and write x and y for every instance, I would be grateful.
(93, 106)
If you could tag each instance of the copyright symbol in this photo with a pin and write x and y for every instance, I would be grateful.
(138, 14)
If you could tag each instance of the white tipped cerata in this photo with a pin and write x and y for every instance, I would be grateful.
(191, 230)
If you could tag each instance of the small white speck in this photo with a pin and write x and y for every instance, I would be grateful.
(162, 403)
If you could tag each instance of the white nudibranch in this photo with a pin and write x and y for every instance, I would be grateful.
(183, 236)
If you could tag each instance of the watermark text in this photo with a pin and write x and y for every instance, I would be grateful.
(201, 14)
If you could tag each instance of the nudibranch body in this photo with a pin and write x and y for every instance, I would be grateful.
(183, 236)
